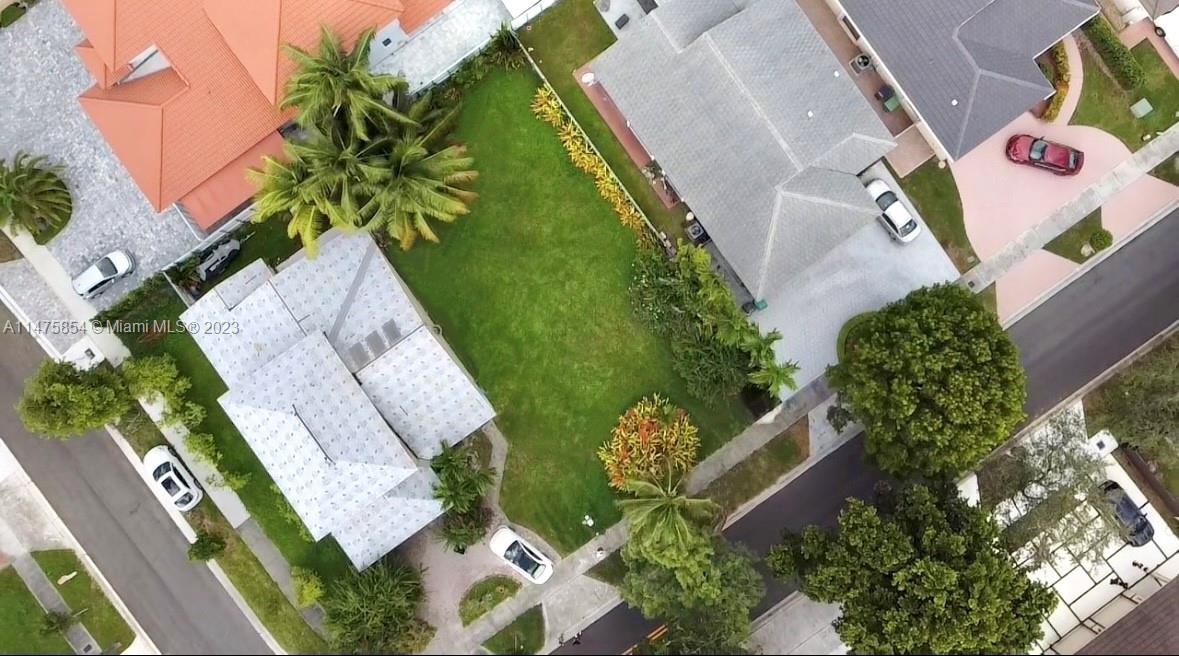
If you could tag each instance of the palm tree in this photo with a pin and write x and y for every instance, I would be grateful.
(336, 93)
(667, 527)
(419, 186)
(33, 198)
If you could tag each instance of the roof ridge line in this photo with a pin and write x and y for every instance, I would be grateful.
(707, 37)
(782, 189)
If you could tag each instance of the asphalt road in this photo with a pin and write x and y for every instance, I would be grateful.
(118, 521)
(1067, 341)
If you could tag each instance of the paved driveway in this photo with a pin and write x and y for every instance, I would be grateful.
(1001, 201)
(863, 273)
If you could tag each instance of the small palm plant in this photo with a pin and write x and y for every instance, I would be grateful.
(335, 92)
(33, 198)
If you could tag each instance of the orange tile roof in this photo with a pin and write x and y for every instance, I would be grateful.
(177, 128)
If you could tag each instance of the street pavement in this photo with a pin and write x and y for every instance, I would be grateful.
(1067, 341)
(121, 525)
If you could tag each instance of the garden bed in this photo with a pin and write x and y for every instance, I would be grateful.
(562, 40)
(485, 595)
(531, 291)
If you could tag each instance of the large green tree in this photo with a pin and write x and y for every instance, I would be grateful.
(1140, 405)
(921, 572)
(33, 197)
(372, 158)
(375, 612)
(1048, 488)
(63, 401)
(935, 380)
(711, 617)
(335, 92)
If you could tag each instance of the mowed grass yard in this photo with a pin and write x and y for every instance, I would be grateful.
(531, 290)
(21, 618)
(1106, 105)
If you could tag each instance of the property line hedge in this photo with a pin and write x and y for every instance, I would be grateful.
(1121, 62)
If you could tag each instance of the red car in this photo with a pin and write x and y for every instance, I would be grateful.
(1044, 154)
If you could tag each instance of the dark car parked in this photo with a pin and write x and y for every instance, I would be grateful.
(1043, 154)
(1136, 527)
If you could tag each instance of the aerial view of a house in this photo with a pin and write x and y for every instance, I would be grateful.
(589, 326)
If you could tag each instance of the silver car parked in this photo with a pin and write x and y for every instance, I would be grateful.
(100, 275)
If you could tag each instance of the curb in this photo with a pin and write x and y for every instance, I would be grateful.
(91, 567)
(1089, 265)
(190, 535)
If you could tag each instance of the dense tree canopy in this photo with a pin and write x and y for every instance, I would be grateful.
(63, 401)
(1140, 406)
(921, 572)
(935, 380)
(709, 618)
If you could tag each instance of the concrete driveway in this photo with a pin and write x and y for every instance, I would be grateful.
(865, 272)
(1002, 200)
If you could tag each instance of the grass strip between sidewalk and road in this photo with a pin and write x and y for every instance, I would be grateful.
(86, 599)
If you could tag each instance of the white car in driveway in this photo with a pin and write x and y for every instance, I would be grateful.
(98, 276)
(896, 218)
(172, 478)
(523, 557)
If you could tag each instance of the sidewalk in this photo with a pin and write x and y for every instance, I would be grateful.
(1139, 164)
(28, 523)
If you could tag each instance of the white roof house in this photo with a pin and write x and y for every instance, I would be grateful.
(340, 389)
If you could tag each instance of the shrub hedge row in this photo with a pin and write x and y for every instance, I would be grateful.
(1121, 62)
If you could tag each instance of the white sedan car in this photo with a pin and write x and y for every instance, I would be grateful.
(523, 557)
(1167, 26)
(896, 219)
(98, 276)
(172, 478)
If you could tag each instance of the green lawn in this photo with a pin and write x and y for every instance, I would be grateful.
(611, 570)
(20, 620)
(8, 251)
(935, 194)
(523, 636)
(1106, 105)
(564, 39)
(484, 595)
(86, 599)
(760, 470)
(325, 557)
(530, 290)
(1168, 170)
(1069, 243)
(240, 564)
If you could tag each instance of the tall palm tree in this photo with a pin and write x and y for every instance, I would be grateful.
(335, 92)
(667, 527)
(419, 186)
(33, 197)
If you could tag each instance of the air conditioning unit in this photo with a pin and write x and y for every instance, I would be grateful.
(862, 62)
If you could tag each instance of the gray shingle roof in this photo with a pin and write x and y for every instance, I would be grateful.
(296, 340)
(754, 123)
(979, 53)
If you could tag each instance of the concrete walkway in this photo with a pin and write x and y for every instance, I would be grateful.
(1133, 169)
(797, 625)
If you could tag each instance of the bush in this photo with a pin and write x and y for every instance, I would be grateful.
(461, 530)
(462, 481)
(374, 612)
(1121, 62)
(208, 546)
(55, 622)
(1061, 77)
(1101, 239)
(10, 14)
(62, 401)
(204, 448)
(652, 441)
(308, 587)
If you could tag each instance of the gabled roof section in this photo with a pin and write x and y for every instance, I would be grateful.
(745, 120)
(92, 60)
(257, 30)
(97, 20)
(967, 65)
